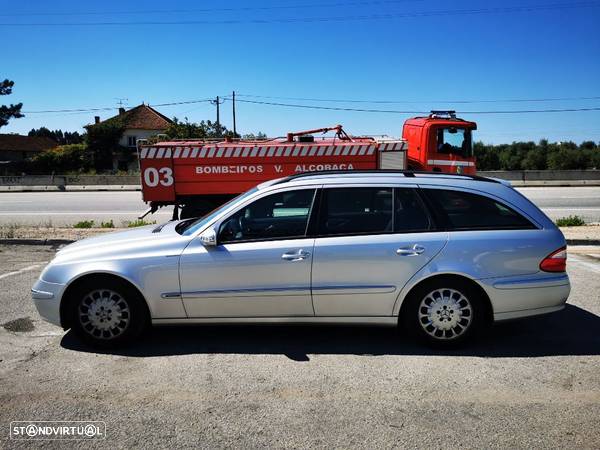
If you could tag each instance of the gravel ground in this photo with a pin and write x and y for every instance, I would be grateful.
(527, 384)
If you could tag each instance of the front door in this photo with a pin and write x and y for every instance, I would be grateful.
(371, 241)
(261, 265)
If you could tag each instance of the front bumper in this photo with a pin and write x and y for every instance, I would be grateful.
(526, 296)
(46, 298)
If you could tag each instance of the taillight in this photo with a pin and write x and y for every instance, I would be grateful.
(555, 261)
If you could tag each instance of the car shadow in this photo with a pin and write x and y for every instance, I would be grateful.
(572, 331)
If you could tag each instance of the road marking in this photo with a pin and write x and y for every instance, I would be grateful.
(23, 270)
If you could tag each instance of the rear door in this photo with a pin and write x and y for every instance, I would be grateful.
(370, 241)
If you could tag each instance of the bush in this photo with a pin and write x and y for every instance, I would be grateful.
(84, 224)
(108, 224)
(62, 159)
(570, 221)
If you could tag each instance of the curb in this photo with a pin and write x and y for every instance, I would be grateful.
(70, 241)
(36, 241)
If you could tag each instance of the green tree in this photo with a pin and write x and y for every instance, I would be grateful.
(11, 111)
(65, 138)
(103, 142)
(535, 159)
(203, 130)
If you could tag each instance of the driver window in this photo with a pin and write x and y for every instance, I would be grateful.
(454, 141)
(277, 216)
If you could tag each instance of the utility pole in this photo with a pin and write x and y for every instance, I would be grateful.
(218, 102)
(233, 103)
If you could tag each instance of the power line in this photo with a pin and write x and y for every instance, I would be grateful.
(205, 10)
(527, 100)
(392, 111)
(320, 107)
(110, 108)
(333, 18)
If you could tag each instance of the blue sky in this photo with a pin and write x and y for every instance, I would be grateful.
(425, 60)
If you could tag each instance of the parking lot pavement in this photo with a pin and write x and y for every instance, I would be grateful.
(532, 383)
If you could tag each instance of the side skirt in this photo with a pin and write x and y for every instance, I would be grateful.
(384, 321)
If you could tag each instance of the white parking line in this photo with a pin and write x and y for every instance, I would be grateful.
(17, 272)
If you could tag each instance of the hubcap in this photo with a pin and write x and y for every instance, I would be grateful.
(104, 314)
(445, 314)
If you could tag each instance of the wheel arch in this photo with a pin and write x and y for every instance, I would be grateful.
(67, 295)
(489, 310)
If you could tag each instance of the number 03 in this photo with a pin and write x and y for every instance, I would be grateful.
(153, 177)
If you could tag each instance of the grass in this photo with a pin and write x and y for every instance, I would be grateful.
(139, 223)
(570, 221)
(108, 224)
(84, 224)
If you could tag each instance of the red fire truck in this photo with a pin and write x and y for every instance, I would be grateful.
(199, 175)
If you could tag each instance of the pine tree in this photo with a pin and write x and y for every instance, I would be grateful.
(11, 111)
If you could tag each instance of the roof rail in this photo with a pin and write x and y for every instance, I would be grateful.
(406, 173)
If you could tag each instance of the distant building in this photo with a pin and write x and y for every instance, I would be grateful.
(140, 122)
(14, 147)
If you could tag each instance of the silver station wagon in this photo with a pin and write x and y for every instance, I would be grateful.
(442, 256)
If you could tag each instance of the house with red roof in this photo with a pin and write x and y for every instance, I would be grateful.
(141, 122)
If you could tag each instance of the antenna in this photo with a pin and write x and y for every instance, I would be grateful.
(121, 101)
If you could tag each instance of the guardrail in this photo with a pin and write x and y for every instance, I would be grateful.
(132, 182)
(547, 177)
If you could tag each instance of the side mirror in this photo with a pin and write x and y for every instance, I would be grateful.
(208, 238)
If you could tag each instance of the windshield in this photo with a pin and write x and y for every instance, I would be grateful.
(456, 141)
(190, 226)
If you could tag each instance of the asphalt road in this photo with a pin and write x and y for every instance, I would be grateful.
(64, 208)
(528, 384)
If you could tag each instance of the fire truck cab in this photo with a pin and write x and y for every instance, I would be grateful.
(440, 142)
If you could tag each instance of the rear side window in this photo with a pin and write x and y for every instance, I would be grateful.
(467, 211)
(356, 211)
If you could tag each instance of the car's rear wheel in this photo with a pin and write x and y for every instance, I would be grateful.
(108, 314)
(444, 312)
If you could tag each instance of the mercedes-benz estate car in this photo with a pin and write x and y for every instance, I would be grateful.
(441, 256)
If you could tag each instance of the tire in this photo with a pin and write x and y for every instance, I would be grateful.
(445, 312)
(107, 313)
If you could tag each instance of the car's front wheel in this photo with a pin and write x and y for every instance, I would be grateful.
(108, 313)
(444, 312)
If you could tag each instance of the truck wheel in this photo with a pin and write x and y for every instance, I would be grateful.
(196, 209)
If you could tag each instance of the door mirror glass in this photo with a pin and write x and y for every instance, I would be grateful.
(208, 238)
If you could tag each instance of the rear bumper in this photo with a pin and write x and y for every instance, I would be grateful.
(46, 298)
(526, 296)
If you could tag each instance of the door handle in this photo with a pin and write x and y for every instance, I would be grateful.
(415, 250)
(295, 256)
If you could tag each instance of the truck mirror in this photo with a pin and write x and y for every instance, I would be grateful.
(208, 238)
